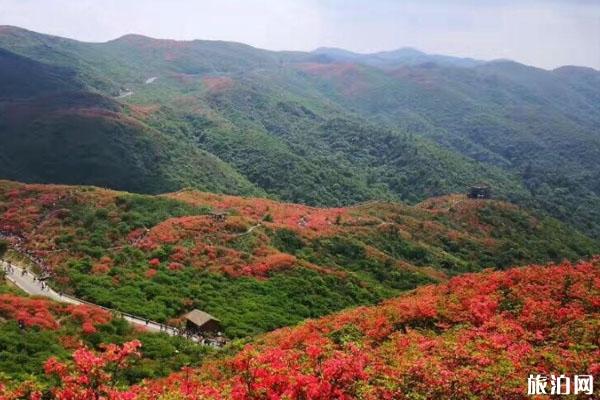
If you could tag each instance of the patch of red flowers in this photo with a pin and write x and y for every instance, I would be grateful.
(89, 317)
(270, 263)
(309, 220)
(45, 314)
(478, 336)
(32, 312)
(175, 266)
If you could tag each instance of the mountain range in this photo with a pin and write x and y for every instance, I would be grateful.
(327, 127)
(312, 205)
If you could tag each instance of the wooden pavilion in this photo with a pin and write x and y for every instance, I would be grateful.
(201, 323)
(480, 191)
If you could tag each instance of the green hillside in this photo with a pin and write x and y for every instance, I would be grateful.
(322, 128)
(266, 264)
(53, 130)
(541, 126)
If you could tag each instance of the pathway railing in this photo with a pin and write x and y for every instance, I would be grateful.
(144, 322)
(147, 323)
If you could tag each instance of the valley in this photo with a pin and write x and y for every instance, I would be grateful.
(323, 128)
(205, 219)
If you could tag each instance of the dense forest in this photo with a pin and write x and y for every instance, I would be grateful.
(326, 128)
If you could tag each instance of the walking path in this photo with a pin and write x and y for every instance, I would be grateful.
(249, 231)
(124, 94)
(32, 285)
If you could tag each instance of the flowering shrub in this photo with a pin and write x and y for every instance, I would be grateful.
(154, 262)
(175, 266)
(31, 312)
(92, 375)
(478, 336)
(100, 269)
(89, 317)
(150, 273)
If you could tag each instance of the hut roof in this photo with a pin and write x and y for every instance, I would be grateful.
(199, 317)
(219, 212)
(481, 185)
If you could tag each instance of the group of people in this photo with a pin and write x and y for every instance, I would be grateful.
(17, 242)
(8, 268)
(43, 284)
(217, 341)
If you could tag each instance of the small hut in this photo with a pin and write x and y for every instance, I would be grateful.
(480, 191)
(201, 323)
(219, 216)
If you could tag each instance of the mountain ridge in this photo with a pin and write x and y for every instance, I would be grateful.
(324, 133)
(404, 49)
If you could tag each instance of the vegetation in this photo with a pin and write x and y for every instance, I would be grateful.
(161, 256)
(477, 336)
(323, 129)
(3, 248)
(41, 329)
(326, 128)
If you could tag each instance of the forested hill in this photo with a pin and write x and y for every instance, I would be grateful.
(258, 264)
(322, 128)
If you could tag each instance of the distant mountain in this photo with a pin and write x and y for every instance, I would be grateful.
(394, 58)
(541, 125)
(54, 127)
(330, 127)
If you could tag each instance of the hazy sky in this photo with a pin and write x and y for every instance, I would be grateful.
(545, 33)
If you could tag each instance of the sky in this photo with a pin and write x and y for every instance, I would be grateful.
(543, 33)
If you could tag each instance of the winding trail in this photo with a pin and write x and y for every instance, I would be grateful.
(249, 231)
(30, 284)
(124, 94)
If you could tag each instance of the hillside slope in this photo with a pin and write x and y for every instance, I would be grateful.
(160, 256)
(55, 330)
(539, 125)
(53, 129)
(331, 128)
(476, 336)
